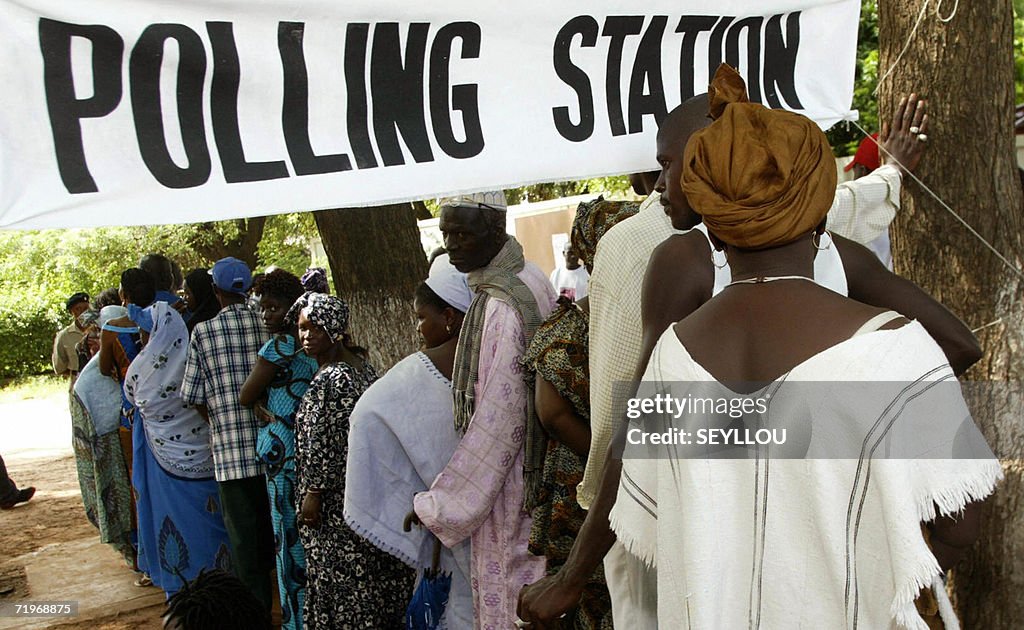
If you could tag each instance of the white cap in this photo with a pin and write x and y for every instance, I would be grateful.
(449, 283)
(495, 200)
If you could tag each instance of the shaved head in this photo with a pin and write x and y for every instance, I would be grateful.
(675, 131)
(685, 119)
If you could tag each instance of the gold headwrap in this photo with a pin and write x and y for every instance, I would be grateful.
(759, 177)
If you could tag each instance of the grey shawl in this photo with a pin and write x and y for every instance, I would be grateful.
(498, 280)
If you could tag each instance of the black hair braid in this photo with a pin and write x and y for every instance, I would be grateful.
(217, 600)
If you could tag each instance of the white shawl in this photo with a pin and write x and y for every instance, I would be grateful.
(808, 542)
(401, 437)
(100, 395)
(177, 435)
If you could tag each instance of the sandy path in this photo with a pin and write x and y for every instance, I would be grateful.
(48, 549)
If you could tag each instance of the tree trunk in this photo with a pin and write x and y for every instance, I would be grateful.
(376, 262)
(964, 68)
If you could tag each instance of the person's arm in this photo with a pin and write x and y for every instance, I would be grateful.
(107, 340)
(546, 600)
(871, 283)
(678, 281)
(463, 494)
(256, 383)
(59, 360)
(863, 209)
(193, 382)
(559, 419)
(951, 537)
(203, 411)
(324, 443)
(328, 432)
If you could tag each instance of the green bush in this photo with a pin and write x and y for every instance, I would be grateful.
(28, 325)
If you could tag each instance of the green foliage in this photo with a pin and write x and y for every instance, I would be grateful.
(843, 137)
(614, 186)
(28, 324)
(285, 242)
(40, 269)
(1018, 49)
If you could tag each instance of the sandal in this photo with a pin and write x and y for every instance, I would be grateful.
(145, 580)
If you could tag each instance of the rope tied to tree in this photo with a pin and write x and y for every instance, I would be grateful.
(917, 25)
(1009, 265)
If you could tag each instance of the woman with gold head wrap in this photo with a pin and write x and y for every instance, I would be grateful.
(740, 539)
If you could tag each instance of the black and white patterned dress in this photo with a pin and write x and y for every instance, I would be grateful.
(350, 583)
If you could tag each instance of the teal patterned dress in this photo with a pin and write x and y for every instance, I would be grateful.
(276, 447)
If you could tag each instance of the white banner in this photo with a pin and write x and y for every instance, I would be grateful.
(121, 112)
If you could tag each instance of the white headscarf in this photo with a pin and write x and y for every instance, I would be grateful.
(111, 312)
(449, 283)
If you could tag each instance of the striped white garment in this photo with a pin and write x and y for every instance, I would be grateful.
(861, 211)
(819, 541)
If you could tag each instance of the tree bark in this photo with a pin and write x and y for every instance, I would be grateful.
(376, 262)
(964, 68)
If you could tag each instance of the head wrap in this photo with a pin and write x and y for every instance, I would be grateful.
(593, 219)
(449, 284)
(495, 200)
(759, 177)
(315, 280)
(326, 311)
(112, 312)
(88, 318)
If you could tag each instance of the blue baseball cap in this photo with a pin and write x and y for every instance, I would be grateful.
(231, 275)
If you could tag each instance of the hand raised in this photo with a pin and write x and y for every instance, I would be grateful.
(904, 141)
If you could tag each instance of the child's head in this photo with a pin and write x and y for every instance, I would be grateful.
(217, 600)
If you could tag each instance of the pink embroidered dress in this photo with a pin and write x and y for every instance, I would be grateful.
(479, 494)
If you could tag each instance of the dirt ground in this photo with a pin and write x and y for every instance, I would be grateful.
(54, 515)
(52, 531)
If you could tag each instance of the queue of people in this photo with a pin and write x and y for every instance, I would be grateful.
(489, 464)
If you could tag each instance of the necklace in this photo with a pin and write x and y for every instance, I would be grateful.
(763, 279)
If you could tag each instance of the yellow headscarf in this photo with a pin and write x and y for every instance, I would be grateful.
(759, 177)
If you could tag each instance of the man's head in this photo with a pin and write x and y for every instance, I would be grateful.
(866, 159)
(572, 259)
(231, 280)
(673, 135)
(77, 304)
(160, 268)
(643, 183)
(473, 227)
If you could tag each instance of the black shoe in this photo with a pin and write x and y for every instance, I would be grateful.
(23, 496)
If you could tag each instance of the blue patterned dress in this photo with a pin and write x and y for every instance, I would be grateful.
(180, 524)
(181, 529)
(276, 447)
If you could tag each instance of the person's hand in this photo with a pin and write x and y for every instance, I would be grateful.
(92, 343)
(544, 602)
(411, 519)
(263, 415)
(309, 514)
(903, 143)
